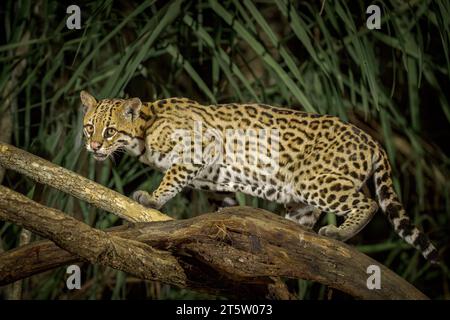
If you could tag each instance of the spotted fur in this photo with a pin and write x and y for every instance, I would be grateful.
(323, 161)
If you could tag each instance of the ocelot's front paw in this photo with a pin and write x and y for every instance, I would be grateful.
(144, 198)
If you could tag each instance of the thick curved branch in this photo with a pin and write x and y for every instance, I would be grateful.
(231, 251)
(65, 180)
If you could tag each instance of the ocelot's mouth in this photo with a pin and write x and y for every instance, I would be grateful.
(100, 156)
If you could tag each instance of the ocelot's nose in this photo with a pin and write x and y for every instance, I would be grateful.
(95, 145)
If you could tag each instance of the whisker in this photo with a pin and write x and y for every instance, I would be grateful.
(120, 149)
(111, 157)
(113, 160)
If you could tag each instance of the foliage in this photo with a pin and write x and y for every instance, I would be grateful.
(312, 55)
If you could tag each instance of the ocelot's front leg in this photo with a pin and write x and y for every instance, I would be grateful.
(175, 179)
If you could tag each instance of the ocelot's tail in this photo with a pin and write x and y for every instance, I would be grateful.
(392, 207)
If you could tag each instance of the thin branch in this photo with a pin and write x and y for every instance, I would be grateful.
(65, 180)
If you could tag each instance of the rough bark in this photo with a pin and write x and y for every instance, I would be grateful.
(237, 252)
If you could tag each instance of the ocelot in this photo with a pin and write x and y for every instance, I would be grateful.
(310, 163)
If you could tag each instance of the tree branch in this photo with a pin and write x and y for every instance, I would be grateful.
(65, 180)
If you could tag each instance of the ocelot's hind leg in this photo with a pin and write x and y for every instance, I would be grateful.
(358, 210)
(337, 194)
(303, 214)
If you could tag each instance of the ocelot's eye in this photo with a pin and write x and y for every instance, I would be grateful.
(89, 128)
(110, 132)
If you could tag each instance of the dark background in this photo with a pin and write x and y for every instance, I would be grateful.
(308, 55)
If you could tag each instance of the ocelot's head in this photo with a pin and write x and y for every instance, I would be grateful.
(109, 124)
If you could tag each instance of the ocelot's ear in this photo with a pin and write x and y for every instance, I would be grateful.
(87, 100)
(131, 108)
